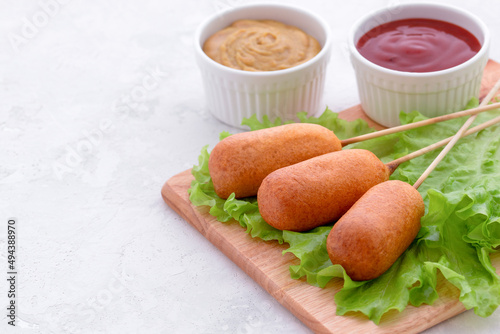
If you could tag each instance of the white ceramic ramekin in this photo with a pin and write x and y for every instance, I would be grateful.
(384, 93)
(236, 94)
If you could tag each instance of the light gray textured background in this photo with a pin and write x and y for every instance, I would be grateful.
(101, 103)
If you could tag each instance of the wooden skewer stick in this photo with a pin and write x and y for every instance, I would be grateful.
(455, 138)
(468, 112)
(395, 163)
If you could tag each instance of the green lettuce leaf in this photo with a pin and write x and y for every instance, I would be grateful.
(330, 120)
(460, 229)
(310, 247)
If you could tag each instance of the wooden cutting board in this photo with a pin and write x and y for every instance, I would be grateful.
(315, 307)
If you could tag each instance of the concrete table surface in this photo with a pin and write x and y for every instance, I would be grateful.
(100, 103)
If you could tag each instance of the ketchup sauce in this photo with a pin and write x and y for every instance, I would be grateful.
(418, 45)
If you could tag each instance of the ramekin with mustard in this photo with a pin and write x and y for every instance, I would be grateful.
(263, 59)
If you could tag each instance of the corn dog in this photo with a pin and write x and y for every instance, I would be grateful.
(318, 191)
(378, 228)
(240, 162)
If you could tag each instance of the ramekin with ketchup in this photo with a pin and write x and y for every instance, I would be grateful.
(425, 57)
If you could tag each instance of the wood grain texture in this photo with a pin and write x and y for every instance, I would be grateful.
(315, 307)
